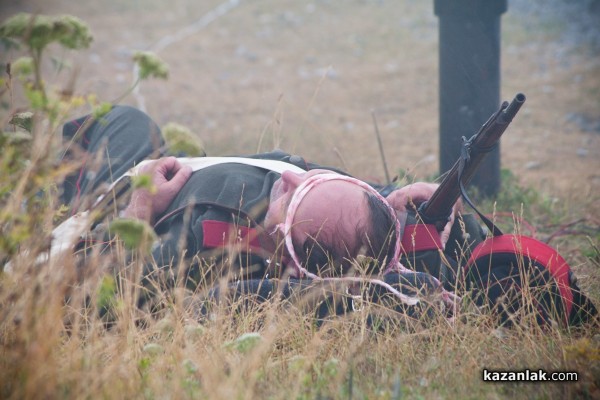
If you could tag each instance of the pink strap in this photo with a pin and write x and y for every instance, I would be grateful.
(302, 191)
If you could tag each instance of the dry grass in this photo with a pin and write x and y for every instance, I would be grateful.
(53, 349)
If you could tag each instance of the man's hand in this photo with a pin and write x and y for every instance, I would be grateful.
(410, 197)
(168, 177)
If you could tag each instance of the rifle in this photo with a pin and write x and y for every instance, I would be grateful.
(438, 208)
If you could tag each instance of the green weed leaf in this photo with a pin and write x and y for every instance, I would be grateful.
(101, 110)
(151, 66)
(331, 368)
(181, 140)
(143, 181)
(72, 32)
(135, 234)
(37, 99)
(23, 120)
(297, 364)
(246, 342)
(22, 67)
(106, 293)
(37, 31)
(153, 349)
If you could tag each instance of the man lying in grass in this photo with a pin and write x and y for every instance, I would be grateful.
(269, 215)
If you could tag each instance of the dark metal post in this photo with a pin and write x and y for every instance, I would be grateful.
(469, 68)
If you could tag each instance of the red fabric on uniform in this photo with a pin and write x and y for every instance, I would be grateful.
(534, 250)
(420, 237)
(219, 234)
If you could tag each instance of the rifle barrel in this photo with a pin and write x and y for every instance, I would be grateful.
(513, 108)
(438, 208)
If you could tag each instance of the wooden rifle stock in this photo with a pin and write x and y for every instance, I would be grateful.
(438, 208)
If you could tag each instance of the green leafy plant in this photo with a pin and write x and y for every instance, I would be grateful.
(246, 342)
(36, 32)
(31, 147)
(180, 140)
(135, 234)
(150, 66)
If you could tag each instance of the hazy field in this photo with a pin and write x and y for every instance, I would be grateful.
(306, 77)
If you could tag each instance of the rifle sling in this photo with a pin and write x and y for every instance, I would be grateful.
(465, 156)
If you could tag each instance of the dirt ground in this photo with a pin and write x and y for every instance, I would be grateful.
(306, 76)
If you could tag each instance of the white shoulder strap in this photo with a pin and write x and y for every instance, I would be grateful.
(65, 234)
(198, 163)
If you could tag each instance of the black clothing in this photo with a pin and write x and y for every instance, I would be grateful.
(238, 196)
(234, 193)
(114, 143)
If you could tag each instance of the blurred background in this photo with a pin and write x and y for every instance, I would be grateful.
(308, 76)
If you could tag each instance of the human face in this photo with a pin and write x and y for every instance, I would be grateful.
(333, 211)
